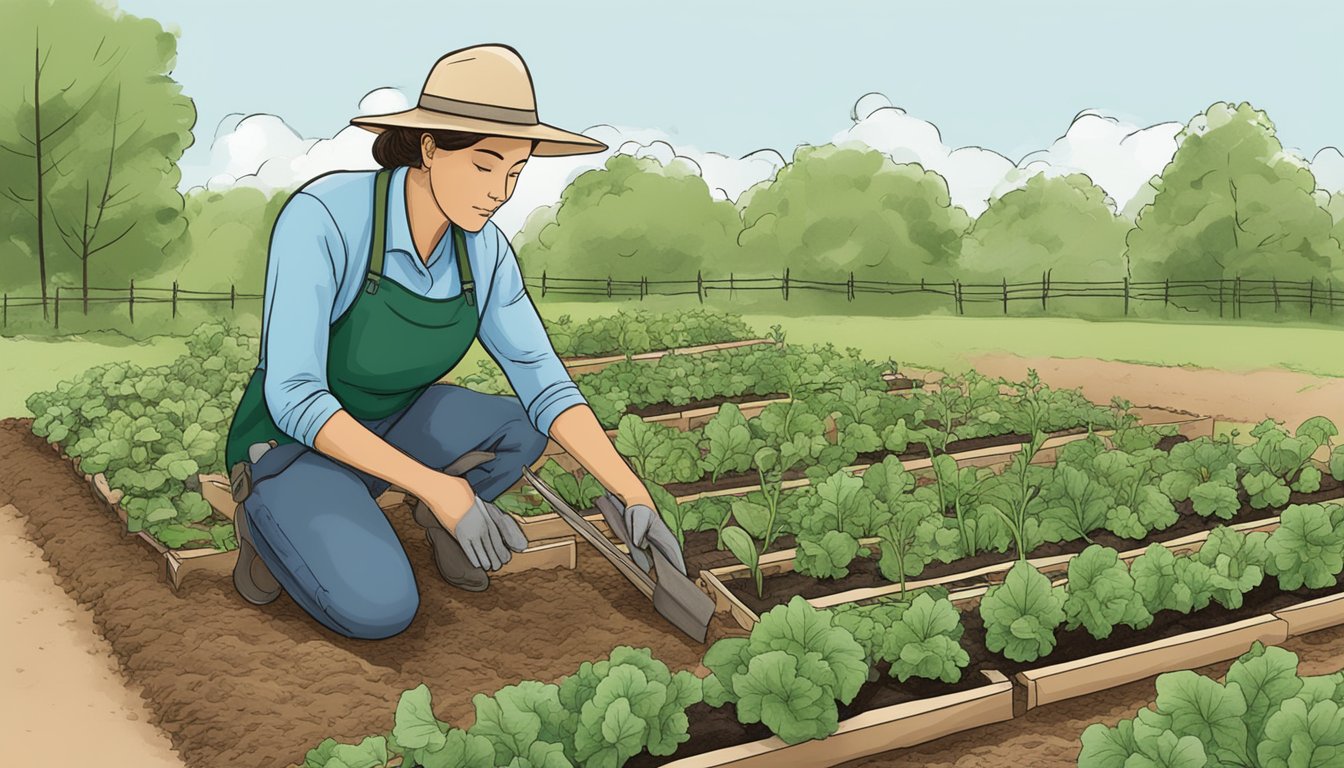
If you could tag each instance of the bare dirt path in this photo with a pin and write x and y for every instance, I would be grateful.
(1244, 397)
(59, 672)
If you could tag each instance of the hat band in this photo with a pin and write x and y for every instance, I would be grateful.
(472, 109)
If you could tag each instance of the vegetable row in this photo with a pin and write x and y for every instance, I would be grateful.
(801, 664)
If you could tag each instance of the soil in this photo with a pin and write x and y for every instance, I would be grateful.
(659, 409)
(778, 588)
(239, 685)
(1239, 396)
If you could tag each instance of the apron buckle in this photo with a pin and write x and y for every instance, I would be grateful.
(371, 283)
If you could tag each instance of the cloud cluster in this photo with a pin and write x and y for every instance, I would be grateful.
(265, 152)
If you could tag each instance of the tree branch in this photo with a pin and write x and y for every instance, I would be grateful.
(114, 240)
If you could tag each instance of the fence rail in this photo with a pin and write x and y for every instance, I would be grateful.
(1230, 294)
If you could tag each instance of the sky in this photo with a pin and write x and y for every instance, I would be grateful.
(734, 77)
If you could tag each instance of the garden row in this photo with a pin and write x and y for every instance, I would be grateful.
(823, 686)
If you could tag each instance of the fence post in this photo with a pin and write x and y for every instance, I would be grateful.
(1274, 286)
(58, 306)
(1005, 295)
(1166, 292)
(956, 295)
(1126, 295)
(608, 286)
(543, 282)
(1311, 296)
(1044, 290)
(174, 299)
(1220, 297)
(6, 312)
(1236, 297)
(786, 283)
(643, 286)
(232, 296)
(699, 286)
(130, 301)
(849, 289)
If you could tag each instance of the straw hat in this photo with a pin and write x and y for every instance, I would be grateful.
(483, 89)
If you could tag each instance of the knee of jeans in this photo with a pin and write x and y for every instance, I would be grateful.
(531, 442)
(389, 615)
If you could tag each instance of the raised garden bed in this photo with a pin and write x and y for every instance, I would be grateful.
(734, 592)
(886, 715)
(582, 365)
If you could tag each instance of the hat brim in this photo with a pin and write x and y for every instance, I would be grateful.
(551, 141)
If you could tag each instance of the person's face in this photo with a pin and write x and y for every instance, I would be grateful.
(470, 183)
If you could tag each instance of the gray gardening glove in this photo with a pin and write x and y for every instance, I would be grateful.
(638, 527)
(487, 534)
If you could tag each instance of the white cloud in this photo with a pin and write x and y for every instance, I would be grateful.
(1328, 168)
(264, 151)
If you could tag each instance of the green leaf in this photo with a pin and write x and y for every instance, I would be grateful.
(740, 544)
(1194, 705)
(416, 727)
(794, 707)
(1021, 614)
(1300, 737)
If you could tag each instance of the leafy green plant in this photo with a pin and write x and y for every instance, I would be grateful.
(1165, 581)
(1075, 504)
(659, 453)
(1022, 613)
(1337, 463)
(1237, 561)
(829, 522)
(1101, 593)
(579, 492)
(1277, 464)
(1265, 715)
(425, 741)
(1307, 549)
(960, 490)
(618, 707)
(907, 522)
(728, 442)
(918, 637)
(1204, 471)
(525, 724)
(1015, 497)
(789, 673)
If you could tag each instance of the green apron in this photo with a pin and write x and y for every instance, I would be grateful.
(384, 351)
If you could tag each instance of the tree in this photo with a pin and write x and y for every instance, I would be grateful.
(840, 208)
(631, 218)
(1064, 224)
(227, 239)
(1232, 202)
(91, 143)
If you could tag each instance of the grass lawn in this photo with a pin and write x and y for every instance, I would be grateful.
(947, 342)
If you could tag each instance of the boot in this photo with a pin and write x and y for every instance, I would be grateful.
(251, 577)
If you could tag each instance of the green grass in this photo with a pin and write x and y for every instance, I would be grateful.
(948, 342)
(31, 364)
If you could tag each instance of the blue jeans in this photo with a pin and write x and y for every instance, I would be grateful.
(317, 527)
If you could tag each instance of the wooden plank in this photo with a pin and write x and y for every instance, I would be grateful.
(545, 555)
(872, 732)
(1312, 615)
(1058, 682)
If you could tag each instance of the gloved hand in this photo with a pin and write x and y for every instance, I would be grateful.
(487, 533)
(639, 526)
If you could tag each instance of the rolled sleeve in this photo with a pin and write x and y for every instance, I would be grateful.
(513, 334)
(301, 283)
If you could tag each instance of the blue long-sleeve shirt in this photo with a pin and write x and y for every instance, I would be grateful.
(319, 254)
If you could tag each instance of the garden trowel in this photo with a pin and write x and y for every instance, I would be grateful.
(674, 595)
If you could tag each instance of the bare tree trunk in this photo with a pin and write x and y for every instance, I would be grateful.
(37, 126)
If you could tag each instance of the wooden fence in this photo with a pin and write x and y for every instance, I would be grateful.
(1231, 295)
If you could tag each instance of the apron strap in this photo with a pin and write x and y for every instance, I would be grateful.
(381, 181)
(463, 266)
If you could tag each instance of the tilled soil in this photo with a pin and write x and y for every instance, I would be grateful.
(233, 684)
(239, 685)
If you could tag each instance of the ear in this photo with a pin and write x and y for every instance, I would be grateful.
(427, 149)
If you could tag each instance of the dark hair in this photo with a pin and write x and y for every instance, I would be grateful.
(401, 146)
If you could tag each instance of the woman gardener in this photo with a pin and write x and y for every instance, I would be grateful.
(377, 283)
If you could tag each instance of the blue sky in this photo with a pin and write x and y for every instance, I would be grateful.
(733, 77)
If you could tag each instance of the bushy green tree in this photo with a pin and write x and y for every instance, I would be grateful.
(226, 241)
(92, 129)
(1232, 202)
(1065, 224)
(840, 208)
(630, 219)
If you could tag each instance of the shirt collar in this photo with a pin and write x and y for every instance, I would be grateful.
(399, 227)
